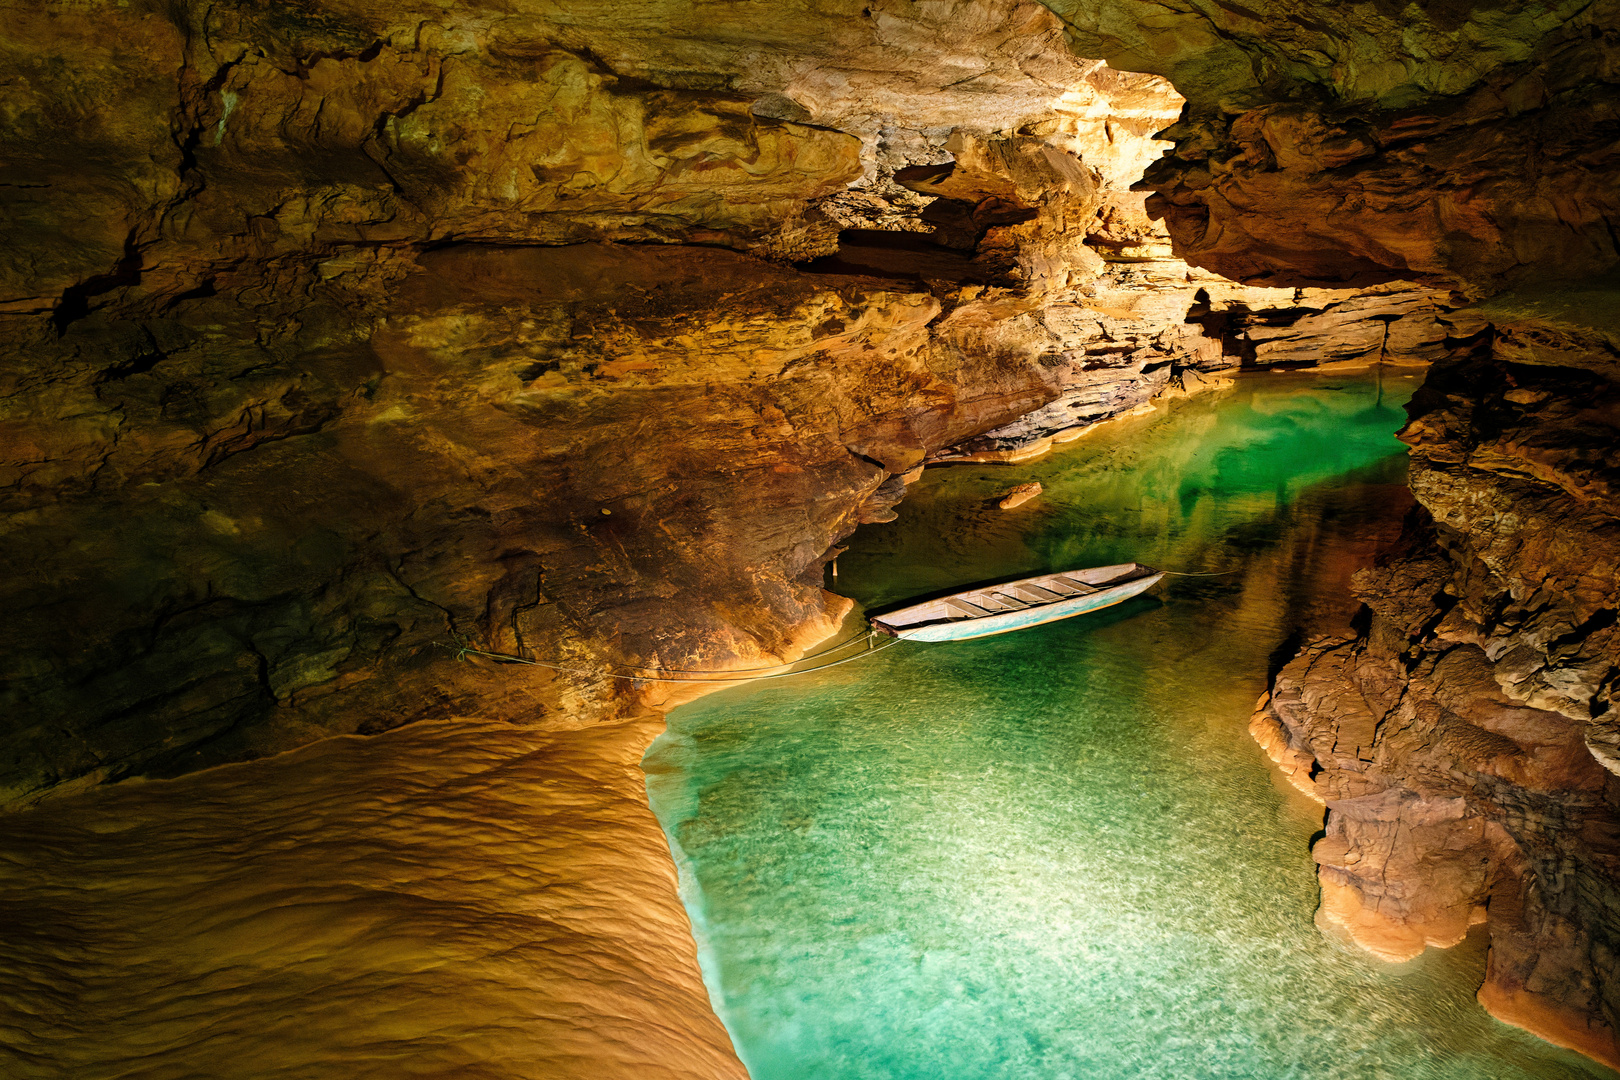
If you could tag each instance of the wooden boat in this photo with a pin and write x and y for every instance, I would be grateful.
(998, 609)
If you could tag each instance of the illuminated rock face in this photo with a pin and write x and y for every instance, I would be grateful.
(289, 414)
(1465, 144)
(1464, 741)
(159, 152)
(475, 898)
(287, 409)
(1460, 740)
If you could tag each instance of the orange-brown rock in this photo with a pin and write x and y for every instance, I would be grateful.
(475, 897)
(1018, 496)
(1150, 328)
(156, 151)
(239, 554)
(1464, 739)
(1467, 145)
(340, 335)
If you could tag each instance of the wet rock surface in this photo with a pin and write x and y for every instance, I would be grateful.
(1142, 330)
(308, 379)
(610, 454)
(475, 899)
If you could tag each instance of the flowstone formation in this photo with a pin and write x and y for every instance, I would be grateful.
(338, 336)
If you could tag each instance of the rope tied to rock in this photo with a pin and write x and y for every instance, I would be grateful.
(464, 649)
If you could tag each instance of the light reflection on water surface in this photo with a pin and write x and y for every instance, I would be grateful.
(1056, 853)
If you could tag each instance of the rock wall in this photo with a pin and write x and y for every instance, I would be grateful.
(315, 361)
(337, 336)
(1464, 739)
(1144, 329)
(1466, 145)
(585, 454)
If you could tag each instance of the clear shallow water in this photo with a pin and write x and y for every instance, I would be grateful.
(1056, 853)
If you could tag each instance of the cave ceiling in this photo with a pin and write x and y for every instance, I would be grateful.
(335, 336)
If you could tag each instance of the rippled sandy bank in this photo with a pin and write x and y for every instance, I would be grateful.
(459, 898)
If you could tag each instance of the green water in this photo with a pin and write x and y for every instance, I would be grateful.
(1056, 853)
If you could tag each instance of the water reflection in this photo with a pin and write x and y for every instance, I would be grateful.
(1056, 853)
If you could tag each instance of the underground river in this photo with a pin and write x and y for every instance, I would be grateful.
(1057, 854)
(1053, 853)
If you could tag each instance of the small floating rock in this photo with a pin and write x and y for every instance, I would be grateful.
(1019, 495)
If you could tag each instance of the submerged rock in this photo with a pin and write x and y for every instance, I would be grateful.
(1019, 495)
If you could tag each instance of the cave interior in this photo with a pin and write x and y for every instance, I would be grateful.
(339, 336)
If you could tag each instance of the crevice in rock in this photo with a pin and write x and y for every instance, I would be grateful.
(74, 303)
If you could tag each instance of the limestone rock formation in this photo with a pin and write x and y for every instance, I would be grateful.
(1148, 328)
(1463, 739)
(478, 898)
(1018, 496)
(1465, 145)
(294, 545)
(289, 415)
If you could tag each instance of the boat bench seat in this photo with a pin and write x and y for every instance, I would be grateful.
(1081, 586)
(972, 611)
(1041, 593)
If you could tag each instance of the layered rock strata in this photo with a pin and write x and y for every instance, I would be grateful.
(290, 413)
(158, 151)
(1464, 738)
(1144, 329)
(576, 454)
(1466, 145)
(294, 407)
(286, 408)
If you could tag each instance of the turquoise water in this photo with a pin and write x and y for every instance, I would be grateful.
(1056, 853)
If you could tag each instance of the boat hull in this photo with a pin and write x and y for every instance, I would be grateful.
(1006, 622)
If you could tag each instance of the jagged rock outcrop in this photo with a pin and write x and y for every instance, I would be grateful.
(1463, 145)
(1463, 740)
(1145, 328)
(157, 151)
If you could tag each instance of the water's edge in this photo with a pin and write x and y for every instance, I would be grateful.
(756, 709)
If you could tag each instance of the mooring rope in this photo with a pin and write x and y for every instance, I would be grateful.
(857, 636)
(463, 651)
